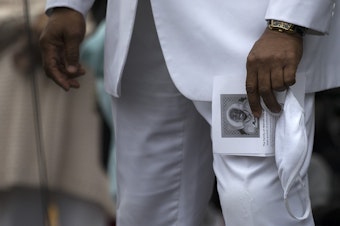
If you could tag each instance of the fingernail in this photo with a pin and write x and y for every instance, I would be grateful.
(71, 69)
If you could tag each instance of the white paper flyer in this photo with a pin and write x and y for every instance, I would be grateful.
(235, 131)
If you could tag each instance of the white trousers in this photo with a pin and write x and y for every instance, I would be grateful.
(164, 152)
(249, 188)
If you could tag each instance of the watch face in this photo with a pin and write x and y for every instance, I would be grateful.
(281, 25)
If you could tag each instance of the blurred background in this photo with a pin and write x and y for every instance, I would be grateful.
(67, 181)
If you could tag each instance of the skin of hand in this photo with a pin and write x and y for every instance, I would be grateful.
(271, 66)
(59, 46)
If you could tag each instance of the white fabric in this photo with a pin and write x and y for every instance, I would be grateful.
(317, 18)
(153, 113)
(217, 36)
(249, 188)
(213, 40)
(291, 151)
(326, 62)
(163, 147)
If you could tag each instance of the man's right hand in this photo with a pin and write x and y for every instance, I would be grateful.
(59, 45)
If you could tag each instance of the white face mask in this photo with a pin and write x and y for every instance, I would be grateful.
(291, 152)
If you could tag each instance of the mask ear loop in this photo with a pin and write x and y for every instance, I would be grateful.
(297, 178)
(280, 96)
(307, 202)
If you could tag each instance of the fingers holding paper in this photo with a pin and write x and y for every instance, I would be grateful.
(271, 66)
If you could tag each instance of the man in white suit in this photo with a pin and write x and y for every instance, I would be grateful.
(160, 61)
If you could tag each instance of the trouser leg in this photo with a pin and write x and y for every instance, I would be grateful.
(163, 146)
(164, 159)
(249, 187)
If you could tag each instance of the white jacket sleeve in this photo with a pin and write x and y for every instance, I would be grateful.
(82, 6)
(313, 14)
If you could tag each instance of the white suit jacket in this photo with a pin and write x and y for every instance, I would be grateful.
(201, 39)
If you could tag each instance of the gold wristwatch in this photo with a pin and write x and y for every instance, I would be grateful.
(282, 26)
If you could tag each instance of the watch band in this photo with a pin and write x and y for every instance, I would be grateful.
(282, 26)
